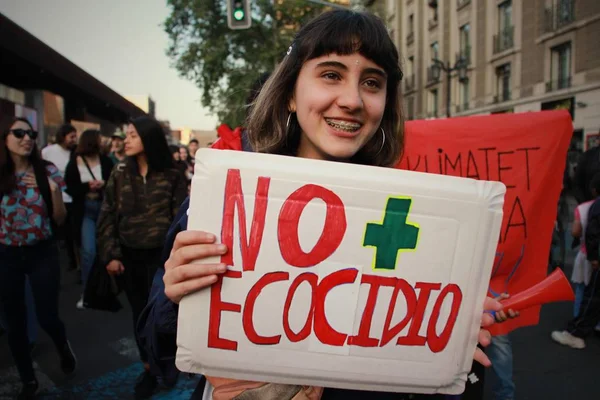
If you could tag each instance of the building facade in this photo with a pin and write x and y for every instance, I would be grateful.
(500, 56)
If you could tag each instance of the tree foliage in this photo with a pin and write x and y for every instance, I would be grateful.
(224, 63)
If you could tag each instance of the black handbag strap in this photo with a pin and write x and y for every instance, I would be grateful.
(88, 167)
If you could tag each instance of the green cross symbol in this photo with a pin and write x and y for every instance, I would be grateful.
(393, 235)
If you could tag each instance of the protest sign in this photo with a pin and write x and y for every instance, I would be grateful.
(341, 275)
(525, 151)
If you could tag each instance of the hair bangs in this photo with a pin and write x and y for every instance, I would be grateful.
(346, 33)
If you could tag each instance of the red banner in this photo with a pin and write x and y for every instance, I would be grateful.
(527, 152)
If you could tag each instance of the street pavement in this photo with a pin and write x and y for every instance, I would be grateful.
(108, 364)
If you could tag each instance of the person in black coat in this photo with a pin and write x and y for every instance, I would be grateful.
(86, 176)
(587, 166)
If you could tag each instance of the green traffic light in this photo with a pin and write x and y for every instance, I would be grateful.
(238, 15)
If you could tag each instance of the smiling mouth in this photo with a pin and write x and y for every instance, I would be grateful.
(345, 126)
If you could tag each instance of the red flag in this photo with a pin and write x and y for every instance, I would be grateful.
(525, 151)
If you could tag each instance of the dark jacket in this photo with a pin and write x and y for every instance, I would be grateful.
(592, 232)
(157, 326)
(79, 190)
(587, 167)
(136, 211)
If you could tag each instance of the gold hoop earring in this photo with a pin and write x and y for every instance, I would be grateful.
(287, 124)
(383, 141)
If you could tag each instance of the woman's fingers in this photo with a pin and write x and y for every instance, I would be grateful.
(484, 339)
(486, 320)
(187, 238)
(188, 272)
(491, 304)
(481, 358)
(195, 280)
(29, 180)
(187, 254)
(501, 316)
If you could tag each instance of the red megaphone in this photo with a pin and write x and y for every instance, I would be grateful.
(555, 287)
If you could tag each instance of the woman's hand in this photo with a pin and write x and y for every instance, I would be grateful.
(115, 267)
(181, 276)
(96, 185)
(29, 180)
(501, 315)
(484, 336)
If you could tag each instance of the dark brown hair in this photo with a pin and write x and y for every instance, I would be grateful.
(7, 166)
(342, 32)
(63, 131)
(89, 143)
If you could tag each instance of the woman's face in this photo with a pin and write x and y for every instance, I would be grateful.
(133, 142)
(339, 102)
(183, 153)
(20, 146)
(176, 156)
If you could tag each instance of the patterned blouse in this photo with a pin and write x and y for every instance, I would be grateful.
(23, 215)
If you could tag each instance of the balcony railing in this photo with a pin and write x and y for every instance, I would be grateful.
(410, 37)
(504, 40)
(562, 14)
(409, 83)
(431, 76)
(561, 83)
(504, 96)
(464, 53)
(461, 3)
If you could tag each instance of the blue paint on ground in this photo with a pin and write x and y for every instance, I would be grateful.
(119, 384)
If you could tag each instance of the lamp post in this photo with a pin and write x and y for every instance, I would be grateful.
(439, 66)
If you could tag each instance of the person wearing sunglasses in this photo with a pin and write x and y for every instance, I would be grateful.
(31, 207)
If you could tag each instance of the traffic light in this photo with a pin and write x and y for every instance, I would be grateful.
(238, 14)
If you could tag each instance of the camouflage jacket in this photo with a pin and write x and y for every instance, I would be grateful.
(137, 212)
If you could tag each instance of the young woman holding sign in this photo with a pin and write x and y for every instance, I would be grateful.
(333, 97)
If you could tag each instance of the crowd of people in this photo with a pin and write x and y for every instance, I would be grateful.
(334, 96)
(94, 201)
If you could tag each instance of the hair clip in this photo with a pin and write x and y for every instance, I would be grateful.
(289, 50)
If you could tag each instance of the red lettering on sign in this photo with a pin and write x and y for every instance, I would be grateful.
(325, 333)
(247, 322)
(411, 301)
(438, 343)
(312, 280)
(234, 198)
(289, 218)
(216, 306)
(413, 338)
(362, 338)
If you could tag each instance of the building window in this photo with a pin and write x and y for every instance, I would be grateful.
(465, 42)
(504, 39)
(433, 11)
(560, 67)
(410, 108)
(504, 15)
(409, 76)
(434, 50)
(464, 95)
(565, 12)
(432, 107)
(410, 36)
(502, 83)
(558, 14)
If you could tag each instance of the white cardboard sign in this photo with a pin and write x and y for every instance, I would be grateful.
(341, 275)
